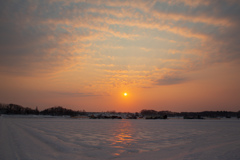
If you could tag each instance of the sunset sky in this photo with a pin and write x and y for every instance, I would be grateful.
(177, 55)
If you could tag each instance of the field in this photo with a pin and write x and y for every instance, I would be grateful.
(49, 138)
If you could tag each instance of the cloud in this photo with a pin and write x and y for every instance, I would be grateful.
(192, 3)
(169, 80)
(47, 37)
(29, 46)
(76, 94)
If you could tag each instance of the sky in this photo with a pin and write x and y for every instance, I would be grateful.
(176, 55)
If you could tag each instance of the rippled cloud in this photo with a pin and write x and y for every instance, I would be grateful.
(120, 42)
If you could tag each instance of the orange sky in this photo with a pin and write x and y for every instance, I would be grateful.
(177, 55)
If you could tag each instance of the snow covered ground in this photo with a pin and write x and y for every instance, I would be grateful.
(39, 138)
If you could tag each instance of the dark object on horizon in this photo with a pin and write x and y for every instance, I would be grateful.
(156, 117)
(192, 117)
(104, 117)
(58, 111)
(132, 116)
(152, 114)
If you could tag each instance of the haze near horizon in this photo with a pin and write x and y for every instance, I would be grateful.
(177, 55)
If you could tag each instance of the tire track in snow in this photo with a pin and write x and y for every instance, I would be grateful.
(24, 140)
(51, 141)
(8, 147)
(52, 147)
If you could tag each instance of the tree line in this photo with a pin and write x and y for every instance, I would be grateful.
(191, 115)
(54, 111)
(151, 114)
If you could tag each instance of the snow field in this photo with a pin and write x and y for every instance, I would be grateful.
(26, 138)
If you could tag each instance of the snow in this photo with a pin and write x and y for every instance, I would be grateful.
(48, 138)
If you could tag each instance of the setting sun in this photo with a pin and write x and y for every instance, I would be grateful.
(125, 94)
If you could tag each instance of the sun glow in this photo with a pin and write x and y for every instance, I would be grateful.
(125, 94)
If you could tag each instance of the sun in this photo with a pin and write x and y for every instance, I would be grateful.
(125, 94)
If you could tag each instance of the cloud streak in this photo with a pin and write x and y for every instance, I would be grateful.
(170, 81)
